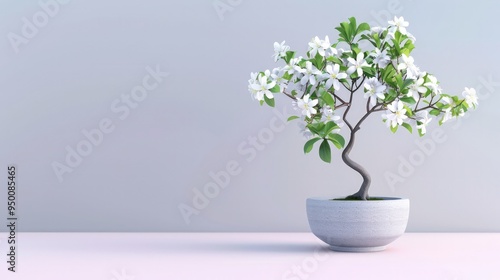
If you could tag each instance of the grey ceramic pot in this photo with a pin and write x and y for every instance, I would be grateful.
(358, 226)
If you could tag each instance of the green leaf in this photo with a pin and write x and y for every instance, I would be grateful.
(324, 151)
(335, 60)
(399, 80)
(275, 89)
(289, 56)
(420, 133)
(261, 102)
(370, 72)
(434, 112)
(309, 145)
(269, 101)
(328, 99)
(352, 26)
(287, 76)
(408, 126)
(356, 48)
(318, 61)
(329, 126)
(391, 93)
(363, 27)
(291, 118)
(369, 39)
(316, 128)
(312, 128)
(408, 100)
(409, 111)
(407, 83)
(347, 30)
(337, 140)
(396, 49)
(394, 129)
(388, 74)
(377, 40)
(342, 33)
(398, 36)
(408, 47)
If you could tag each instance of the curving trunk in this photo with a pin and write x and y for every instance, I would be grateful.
(362, 194)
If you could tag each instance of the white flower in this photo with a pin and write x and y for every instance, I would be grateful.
(422, 74)
(319, 46)
(309, 73)
(424, 120)
(410, 37)
(341, 51)
(253, 78)
(400, 24)
(448, 115)
(395, 114)
(252, 91)
(380, 58)
(304, 130)
(356, 65)
(416, 88)
(307, 105)
(333, 76)
(404, 41)
(447, 112)
(448, 100)
(390, 35)
(374, 89)
(280, 50)
(290, 68)
(412, 71)
(251, 82)
(267, 74)
(470, 97)
(277, 76)
(326, 110)
(261, 88)
(433, 85)
(376, 30)
(328, 115)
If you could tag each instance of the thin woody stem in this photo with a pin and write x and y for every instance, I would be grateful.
(362, 193)
(289, 95)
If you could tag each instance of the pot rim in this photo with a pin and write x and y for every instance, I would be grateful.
(383, 199)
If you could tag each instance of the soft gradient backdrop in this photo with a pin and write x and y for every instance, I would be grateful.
(77, 68)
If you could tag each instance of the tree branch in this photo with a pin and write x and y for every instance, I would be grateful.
(289, 95)
(362, 80)
(338, 97)
(305, 89)
(341, 105)
(344, 117)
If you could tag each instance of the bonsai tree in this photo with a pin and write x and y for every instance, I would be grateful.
(374, 60)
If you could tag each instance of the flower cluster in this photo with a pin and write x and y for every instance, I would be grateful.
(324, 81)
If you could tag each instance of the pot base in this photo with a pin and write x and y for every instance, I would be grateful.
(357, 249)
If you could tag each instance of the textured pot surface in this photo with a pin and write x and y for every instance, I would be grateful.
(358, 226)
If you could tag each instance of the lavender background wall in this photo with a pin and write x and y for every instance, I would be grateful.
(69, 68)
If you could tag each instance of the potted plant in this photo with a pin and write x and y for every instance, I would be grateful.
(375, 62)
